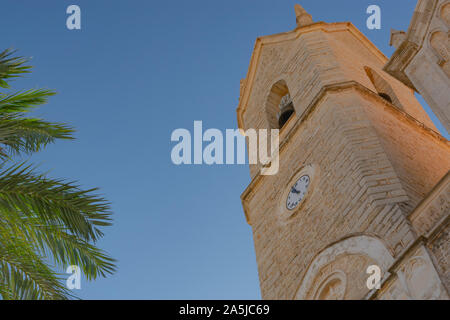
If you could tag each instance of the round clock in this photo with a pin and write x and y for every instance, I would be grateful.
(297, 192)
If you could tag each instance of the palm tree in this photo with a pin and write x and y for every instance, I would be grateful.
(45, 223)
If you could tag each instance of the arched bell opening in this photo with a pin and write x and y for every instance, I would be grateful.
(279, 106)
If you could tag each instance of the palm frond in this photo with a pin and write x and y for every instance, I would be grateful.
(23, 274)
(24, 101)
(27, 135)
(42, 220)
(19, 134)
(54, 201)
(53, 241)
(11, 67)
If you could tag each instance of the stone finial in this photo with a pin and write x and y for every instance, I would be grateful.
(303, 18)
(397, 38)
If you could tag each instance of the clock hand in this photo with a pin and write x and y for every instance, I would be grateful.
(295, 191)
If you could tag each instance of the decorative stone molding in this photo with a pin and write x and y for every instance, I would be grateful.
(444, 13)
(413, 276)
(397, 38)
(433, 209)
(333, 287)
(365, 245)
(241, 88)
(413, 41)
(422, 60)
(421, 277)
(439, 41)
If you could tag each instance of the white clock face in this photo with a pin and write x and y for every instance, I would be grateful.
(297, 192)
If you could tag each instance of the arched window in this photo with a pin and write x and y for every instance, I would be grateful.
(279, 106)
(383, 88)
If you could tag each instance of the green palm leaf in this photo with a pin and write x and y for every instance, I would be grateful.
(11, 67)
(42, 220)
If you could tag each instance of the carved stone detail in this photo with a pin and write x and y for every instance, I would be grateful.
(440, 43)
(445, 13)
(333, 287)
(421, 277)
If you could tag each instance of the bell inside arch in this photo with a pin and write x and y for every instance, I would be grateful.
(286, 110)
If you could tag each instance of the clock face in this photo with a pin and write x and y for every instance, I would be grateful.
(297, 192)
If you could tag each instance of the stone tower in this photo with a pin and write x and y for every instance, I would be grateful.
(363, 177)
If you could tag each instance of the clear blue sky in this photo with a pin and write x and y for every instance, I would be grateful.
(135, 72)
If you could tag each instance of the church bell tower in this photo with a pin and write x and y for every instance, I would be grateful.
(358, 159)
